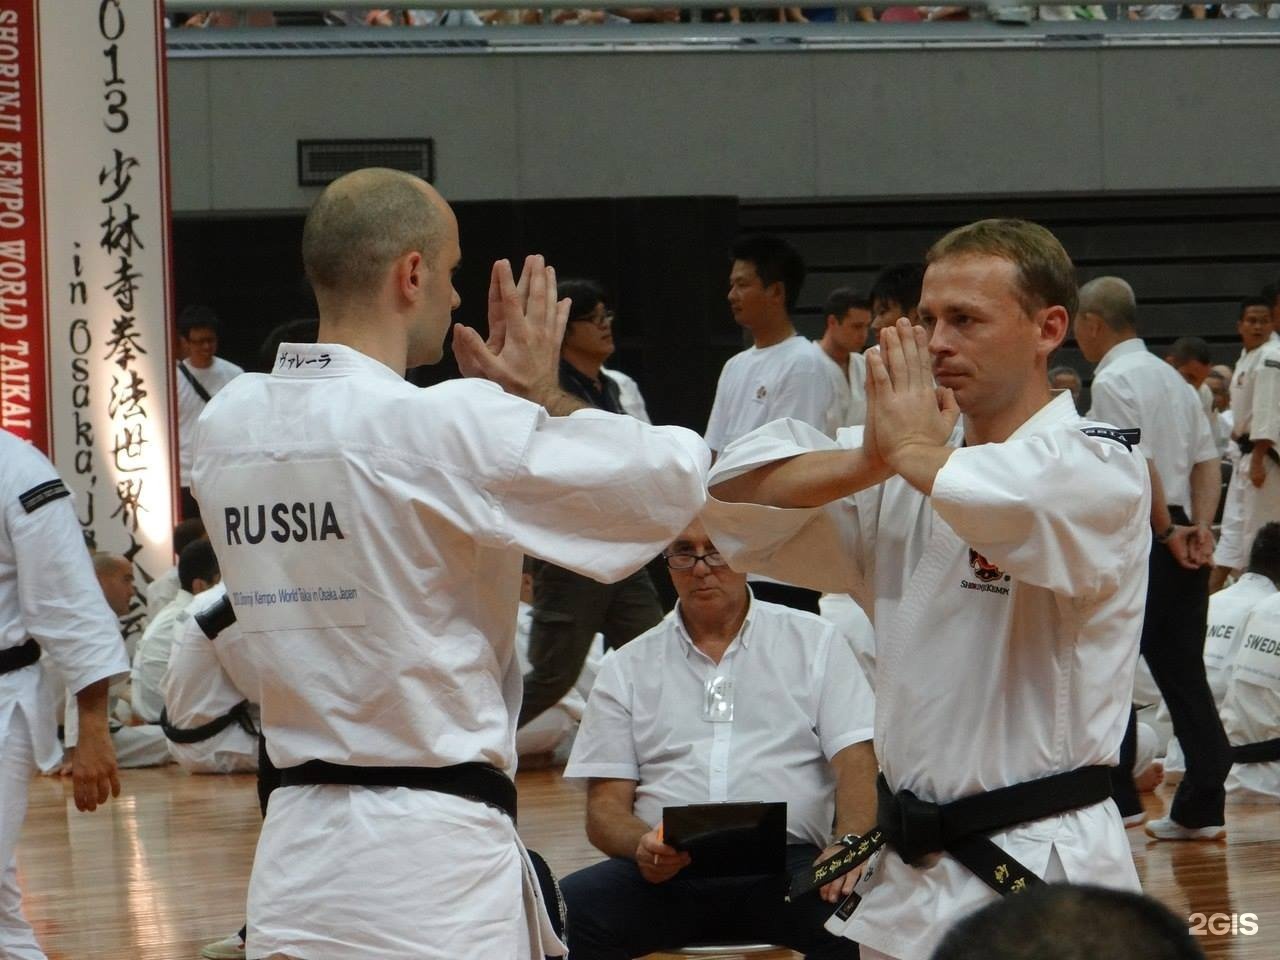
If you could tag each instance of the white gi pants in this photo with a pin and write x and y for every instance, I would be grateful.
(1247, 508)
(17, 765)
(390, 873)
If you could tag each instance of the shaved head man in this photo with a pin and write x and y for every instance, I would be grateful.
(371, 535)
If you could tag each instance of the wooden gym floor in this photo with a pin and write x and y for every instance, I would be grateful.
(163, 869)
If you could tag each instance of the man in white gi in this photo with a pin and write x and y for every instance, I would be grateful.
(165, 587)
(1008, 563)
(200, 376)
(1134, 387)
(1253, 498)
(793, 724)
(49, 603)
(370, 534)
(848, 320)
(197, 572)
(209, 717)
(780, 375)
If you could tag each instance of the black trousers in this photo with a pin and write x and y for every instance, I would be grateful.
(799, 598)
(1173, 646)
(614, 913)
(568, 611)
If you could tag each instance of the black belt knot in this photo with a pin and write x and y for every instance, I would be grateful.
(23, 655)
(911, 826)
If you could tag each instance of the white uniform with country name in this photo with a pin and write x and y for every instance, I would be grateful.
(48, 592)
(1008, 610)
(1255, 406)
(198, 688)
(370, 534)
(1251, 712)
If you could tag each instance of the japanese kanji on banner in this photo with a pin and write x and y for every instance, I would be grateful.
(85, 360)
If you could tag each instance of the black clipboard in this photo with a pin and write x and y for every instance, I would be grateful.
(729, 839)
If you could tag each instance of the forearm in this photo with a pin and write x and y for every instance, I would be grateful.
(1206, 488)
(807, 480)
(615, 832)
(91, 705)
(920, 463)
(559, 403)
(856, 769)
(1160, 517)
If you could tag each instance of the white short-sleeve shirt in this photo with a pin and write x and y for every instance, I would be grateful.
(798, 696)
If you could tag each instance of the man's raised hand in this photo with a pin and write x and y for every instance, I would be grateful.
(909, 411)
(526, 327)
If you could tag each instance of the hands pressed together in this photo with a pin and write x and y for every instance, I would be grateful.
(909, 418)
(1191, 546)
(526, 328)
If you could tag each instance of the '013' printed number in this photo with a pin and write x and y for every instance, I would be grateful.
(1222, 924)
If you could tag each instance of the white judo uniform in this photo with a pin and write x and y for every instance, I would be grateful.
(1251, 711)
(1008, 610)
(47, 592)
(370, 534)
(1255, 405)
(200, 685)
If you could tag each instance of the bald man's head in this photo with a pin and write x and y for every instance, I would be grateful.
(115, 576)
(362, 223)
(1111, 299)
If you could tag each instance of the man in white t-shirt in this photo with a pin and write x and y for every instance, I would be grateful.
(201, 375)
(779, 376)
(848, 319)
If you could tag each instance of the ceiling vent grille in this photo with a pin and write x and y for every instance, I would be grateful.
(320, 162)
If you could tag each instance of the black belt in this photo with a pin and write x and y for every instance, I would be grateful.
(916, 828)
(23, 655)
(237, 714)
(1264, 751)
(474, 781)
(1246, 445)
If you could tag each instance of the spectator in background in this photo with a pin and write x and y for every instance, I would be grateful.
(197, 572)
(896, 293)
(166, 586)
(1190, 357)
(1066, 378)
(201, 375)
(1061, 922)
(1253, 497)
(569, 609)
(781, 375)
(847, 315)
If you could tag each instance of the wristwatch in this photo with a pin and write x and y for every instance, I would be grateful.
(1164, 537)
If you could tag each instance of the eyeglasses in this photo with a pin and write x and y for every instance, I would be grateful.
(604, 320)
(687, 561)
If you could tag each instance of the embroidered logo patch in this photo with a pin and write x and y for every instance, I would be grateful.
(1128, 438)
(47, 492)
(984, 569)
(1274, 364)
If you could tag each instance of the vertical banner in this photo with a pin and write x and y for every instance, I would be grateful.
(84, 121)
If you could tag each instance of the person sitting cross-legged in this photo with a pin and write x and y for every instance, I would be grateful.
(798, 730)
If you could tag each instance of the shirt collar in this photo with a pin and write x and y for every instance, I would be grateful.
(1058, 410)
(1121, 349)
(744, 633)
(319, 360)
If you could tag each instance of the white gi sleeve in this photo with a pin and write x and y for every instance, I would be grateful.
(1113, 401)
(819, 548)
(600, 493)
(1265, 424)
(1061, 510)
(62, 605)
(605, 746)
(846, 705)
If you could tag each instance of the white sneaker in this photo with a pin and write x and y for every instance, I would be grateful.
(228, 948)
(1135, 819)
(1167, 829)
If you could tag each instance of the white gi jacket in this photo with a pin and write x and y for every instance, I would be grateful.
(1009, 606)
(151, 658)
(1255, 405)
(47, 592)
(370, 534)
(198, 688)
(1251, 712)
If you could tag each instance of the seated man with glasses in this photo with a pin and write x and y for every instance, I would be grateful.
(797, 728)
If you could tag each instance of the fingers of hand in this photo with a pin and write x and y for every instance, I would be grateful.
(910, 351)
(526, 275)
(891, 354)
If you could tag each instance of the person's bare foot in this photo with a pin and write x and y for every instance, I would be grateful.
(1151, 778)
